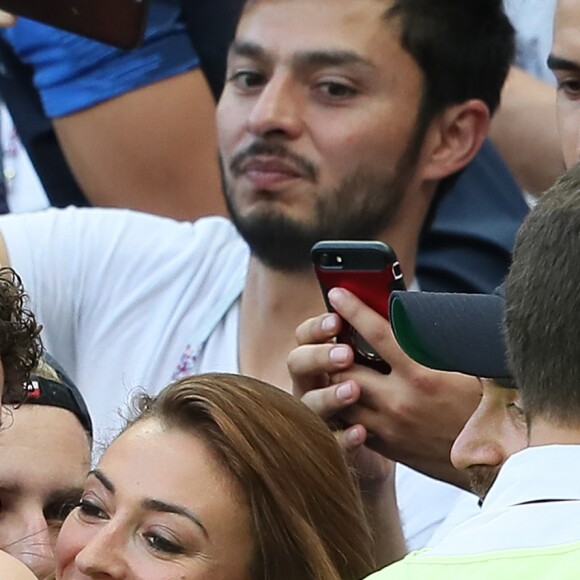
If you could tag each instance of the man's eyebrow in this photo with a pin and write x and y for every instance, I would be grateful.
(161, 506)
(64, 495)
(247, 49)
(306, 59)
(558, 63)
(324, 58)
(10, 488)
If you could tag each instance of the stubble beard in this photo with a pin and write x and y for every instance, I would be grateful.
(481, 478)
(360, 208)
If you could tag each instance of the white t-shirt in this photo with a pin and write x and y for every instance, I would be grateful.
(24, 190)
(131, 300)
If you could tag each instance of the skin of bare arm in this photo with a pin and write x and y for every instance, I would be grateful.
(153, 149)
(525, 132)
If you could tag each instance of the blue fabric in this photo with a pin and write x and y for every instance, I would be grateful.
(469, 246)
(72, 72)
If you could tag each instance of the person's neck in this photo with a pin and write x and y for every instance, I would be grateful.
(275, 303)
(544, 432)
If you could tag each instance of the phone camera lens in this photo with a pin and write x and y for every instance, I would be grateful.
(326, 260)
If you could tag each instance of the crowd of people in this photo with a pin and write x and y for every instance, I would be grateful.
(175, 402)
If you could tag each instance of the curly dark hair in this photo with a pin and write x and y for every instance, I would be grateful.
(20, 344)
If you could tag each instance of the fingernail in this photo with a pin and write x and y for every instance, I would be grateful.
(344, 391)
(336, 296)
(339, 354)
(354, 436)
(329, 323)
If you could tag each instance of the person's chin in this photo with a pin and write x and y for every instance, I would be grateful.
(481, 478)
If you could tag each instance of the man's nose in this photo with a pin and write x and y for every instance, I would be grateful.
(32, 544)
(477, 444)
(577, 121)
(278, 109)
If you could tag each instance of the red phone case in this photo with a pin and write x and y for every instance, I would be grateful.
(371, 271)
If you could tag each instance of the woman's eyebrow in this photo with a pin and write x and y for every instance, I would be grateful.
(161, 506)
(103, 479)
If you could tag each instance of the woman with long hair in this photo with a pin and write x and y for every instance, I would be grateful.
(219, 477)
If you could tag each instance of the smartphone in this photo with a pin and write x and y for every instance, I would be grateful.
(120, 23)
(368, 269)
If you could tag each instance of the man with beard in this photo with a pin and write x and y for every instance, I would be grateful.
(339, 119)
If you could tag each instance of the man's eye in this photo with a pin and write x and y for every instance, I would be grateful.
(337, 90)
(570, 88)
(246, 79)
(516, 410)
(58, 511)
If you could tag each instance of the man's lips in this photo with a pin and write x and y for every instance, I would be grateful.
(265, 173)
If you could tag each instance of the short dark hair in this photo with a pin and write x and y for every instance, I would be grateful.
(463, 47)
(543, 305)
(20, 346)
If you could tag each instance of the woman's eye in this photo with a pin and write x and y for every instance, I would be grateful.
(88, 509)
(161, 544)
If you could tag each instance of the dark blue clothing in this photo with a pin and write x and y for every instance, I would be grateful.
(469, 246)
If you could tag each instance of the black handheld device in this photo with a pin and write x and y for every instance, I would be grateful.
(368, 269)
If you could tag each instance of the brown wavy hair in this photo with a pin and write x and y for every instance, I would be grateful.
(20, 344)
(308, 518)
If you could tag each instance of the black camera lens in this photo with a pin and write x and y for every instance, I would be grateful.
(331, 260)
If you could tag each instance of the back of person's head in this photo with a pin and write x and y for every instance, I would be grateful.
(543, 305)
(463, 47)
(51, 386)
(20, 345)
(308, 520)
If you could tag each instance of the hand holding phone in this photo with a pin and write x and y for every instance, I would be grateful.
(368, 269)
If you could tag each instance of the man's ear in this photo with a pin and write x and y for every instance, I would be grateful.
(454, 137)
